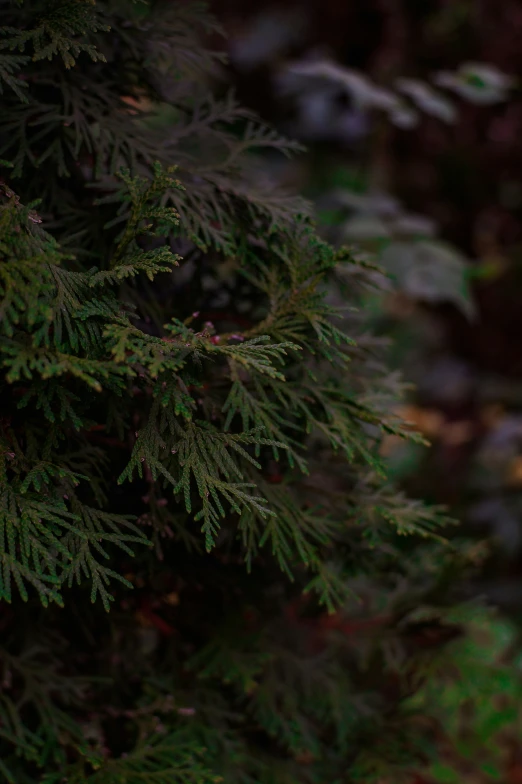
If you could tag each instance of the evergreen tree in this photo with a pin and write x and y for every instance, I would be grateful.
(191, 422)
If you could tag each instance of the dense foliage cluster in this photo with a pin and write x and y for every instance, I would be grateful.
(190, 429)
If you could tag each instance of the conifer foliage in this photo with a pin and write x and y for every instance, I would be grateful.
(190, 430)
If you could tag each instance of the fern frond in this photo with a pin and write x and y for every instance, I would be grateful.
(58, 31)
(174, 759)
(10, 65)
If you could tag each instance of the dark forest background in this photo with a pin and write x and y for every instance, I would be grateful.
(456, 325)
(465, 177)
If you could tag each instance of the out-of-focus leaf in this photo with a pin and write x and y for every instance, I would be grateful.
(414, 225)
(362, 90)
(376, 203)
(365, 227)
(429, 270)
(427, 99)
(479, 83)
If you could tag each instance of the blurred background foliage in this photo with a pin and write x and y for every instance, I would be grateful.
(411, 114)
